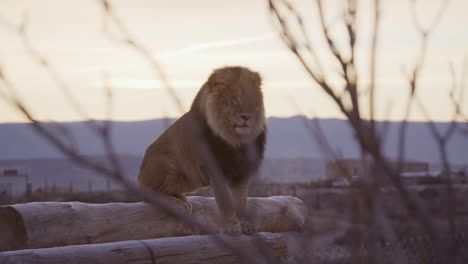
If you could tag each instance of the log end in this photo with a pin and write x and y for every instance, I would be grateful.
(12, 228)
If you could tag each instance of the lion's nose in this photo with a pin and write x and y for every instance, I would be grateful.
(245, 117)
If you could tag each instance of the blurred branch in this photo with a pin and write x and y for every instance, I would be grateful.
(426, 31)
(127, 38)
(315, 131)
(53, 74)
(373, 65)
(458, 101)
(365, 133)
(291, 41)
(368, 141)
(45, 63)
(347, 65)
(115, 171)
(442, 139)
(446, 247)
(413, 77)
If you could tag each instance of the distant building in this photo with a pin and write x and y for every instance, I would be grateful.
(411, 166)
(297, 170)
(340, 171)
(13, 182)
(345, 168)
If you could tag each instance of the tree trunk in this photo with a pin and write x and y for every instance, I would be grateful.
(53, 224)
(186, 250)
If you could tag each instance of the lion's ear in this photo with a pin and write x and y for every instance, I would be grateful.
(258, 80)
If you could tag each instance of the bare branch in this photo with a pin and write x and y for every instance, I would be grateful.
(290, 40)
(373, 64)
(115, 170)
(426, 31)
(365, 133)
(35, 54)
(128, 39)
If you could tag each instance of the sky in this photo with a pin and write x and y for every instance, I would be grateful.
(191, 38)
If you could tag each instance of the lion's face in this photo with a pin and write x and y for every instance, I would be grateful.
(234, 104)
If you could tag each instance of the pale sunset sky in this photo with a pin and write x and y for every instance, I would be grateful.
(191, 38)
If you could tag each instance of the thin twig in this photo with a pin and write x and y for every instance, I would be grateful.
(130, 40)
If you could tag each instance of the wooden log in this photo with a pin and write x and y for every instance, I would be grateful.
(53, 224)
(187, 250)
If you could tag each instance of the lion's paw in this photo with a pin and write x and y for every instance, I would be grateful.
(248, 228)
(233, 230)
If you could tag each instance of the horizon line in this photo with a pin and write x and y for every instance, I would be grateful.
(175, 118)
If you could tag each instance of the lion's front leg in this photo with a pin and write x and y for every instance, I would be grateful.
(226, 205)
(239, 193)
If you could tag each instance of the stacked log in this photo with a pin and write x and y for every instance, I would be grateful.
(54, 224)
(175, 250)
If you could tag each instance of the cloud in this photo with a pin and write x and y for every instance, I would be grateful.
(217, 44)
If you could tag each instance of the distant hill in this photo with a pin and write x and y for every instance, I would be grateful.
(287, 138)
(292, 154)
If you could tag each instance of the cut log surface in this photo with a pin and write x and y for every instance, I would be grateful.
(53, 224)
(186, 250)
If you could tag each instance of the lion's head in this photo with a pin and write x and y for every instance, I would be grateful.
(233, 104)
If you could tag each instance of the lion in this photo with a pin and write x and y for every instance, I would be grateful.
(219, 142)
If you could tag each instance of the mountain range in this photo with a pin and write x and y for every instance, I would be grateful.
(288, 138)
(292, 153)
